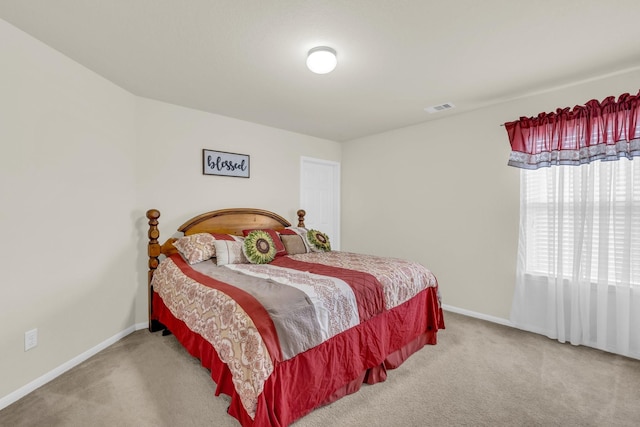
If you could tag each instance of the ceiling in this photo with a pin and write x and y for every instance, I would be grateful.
(246, 58)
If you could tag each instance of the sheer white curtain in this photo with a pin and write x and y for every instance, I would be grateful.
(578, 269)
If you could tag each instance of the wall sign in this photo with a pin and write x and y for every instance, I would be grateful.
(225, 164)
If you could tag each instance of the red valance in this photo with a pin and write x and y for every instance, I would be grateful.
(606, 130)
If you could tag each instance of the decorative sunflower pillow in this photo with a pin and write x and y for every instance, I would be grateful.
(258, 247)
(280, 248)
(318, 241)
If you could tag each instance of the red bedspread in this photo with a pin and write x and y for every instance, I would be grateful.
(301, 384)
(383, 339)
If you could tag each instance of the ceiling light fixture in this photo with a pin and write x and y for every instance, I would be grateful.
(322, 60)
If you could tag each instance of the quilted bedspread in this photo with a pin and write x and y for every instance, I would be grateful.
(258, 315)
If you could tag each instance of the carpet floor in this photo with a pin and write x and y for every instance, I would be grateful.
(479, 374)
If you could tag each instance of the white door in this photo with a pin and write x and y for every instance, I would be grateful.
(320, 197)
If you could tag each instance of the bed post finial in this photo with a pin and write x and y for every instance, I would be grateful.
(153, 250)
(301, 214)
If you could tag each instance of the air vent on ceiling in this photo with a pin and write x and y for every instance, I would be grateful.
(441, 107)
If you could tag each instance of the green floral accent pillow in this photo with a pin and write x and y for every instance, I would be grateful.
(318, 240)
(259, 247)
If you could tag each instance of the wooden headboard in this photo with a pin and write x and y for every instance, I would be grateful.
(223, 221)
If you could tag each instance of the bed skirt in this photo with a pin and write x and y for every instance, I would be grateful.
(299, 385)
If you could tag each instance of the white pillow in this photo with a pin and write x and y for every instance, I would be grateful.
(229, 252)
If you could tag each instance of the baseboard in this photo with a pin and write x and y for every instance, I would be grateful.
(477, 315)
(39, 382)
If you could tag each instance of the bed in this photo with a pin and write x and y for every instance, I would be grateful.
(284, 331)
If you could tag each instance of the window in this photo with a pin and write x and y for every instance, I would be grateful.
(587, 217)
(578, 264)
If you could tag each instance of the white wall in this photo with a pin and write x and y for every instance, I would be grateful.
(170, 178)
(67, 191)
(169, 169)
(81, 162)
(441, 193)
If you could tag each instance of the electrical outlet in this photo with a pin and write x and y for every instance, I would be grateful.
(30, 339)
